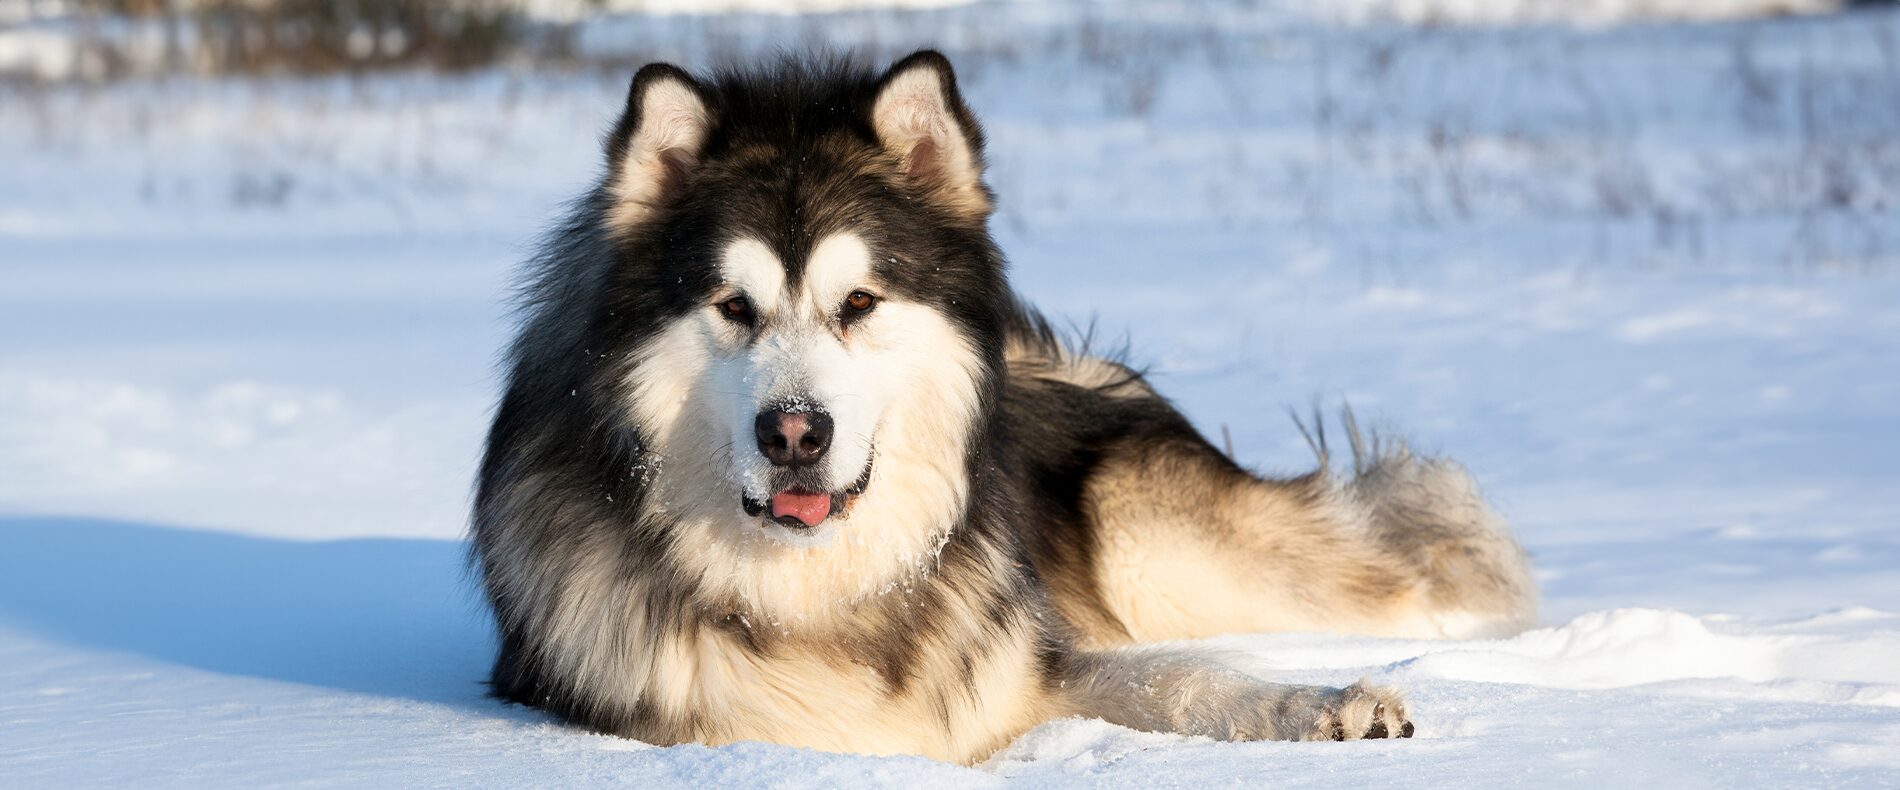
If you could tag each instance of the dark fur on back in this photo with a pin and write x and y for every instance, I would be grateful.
(1056, 507)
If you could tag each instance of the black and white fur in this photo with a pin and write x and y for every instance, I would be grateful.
(782, 458)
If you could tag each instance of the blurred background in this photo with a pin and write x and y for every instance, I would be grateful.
(1632, 260)
(1635, 262)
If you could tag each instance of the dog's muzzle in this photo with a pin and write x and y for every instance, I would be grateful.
(798, 508)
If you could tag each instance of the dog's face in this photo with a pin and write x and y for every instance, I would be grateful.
(818, 300)
(804, 365)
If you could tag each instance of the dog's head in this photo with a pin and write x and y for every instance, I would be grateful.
(810, 301)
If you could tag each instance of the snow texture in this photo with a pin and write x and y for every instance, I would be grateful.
(1644, 280)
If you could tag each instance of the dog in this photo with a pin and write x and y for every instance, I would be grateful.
(782, 457)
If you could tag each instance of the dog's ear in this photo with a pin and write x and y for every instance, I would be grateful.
(657, 144)
(920, 117)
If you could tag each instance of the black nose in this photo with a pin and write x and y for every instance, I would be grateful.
(793, 438)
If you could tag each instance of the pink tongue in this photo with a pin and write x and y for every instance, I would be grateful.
(808, 508)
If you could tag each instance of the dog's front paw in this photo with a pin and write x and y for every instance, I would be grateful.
(1361, 711)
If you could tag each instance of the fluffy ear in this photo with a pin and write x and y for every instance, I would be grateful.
(657, 144)
(920, 117)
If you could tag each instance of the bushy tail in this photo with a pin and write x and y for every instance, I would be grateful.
(1428, 512)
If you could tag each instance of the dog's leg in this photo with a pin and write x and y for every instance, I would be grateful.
(1173, 690)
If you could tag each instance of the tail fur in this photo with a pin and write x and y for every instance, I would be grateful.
(1429, 513)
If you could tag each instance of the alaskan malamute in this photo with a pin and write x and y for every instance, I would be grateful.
(783, 458)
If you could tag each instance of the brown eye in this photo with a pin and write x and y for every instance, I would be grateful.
(737, 309)
(859, 302)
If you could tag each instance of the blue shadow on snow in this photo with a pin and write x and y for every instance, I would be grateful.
(388, 617)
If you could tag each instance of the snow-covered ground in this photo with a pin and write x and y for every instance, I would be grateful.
(1644, 280)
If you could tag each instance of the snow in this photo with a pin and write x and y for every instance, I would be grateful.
(1583, 12)
(1641, 280)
